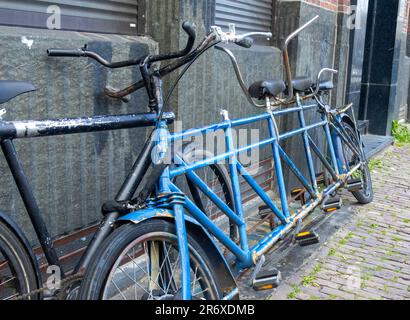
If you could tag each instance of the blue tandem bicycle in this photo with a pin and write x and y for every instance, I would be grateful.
(171, 250)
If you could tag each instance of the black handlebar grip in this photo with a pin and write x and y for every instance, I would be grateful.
(245, 42)
(65, 53)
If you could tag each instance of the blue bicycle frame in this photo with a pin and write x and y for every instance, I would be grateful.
(248, 256)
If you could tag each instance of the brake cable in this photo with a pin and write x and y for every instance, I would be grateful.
(159, 168)
(183, 72)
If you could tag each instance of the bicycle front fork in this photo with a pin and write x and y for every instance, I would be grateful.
(183, 250)
(176, 202)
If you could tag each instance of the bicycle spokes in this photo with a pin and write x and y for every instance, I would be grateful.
(151, 270)
(9, 287)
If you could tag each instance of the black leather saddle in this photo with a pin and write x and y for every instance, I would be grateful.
(266, 88)
(11, 89)
(302, 84)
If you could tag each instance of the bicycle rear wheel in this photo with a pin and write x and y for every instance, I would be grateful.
(17, 276)
(364, 195)
(142, 262)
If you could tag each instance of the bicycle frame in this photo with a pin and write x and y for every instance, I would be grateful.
(248, 256)
(10, 131)
(168, 194)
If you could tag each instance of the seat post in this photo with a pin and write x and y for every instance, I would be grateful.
(267, 101)
(306, 144)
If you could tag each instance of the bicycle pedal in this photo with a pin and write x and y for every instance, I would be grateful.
(354, 185)
(298, 194)
(264, 211)
(332, 205)
(267, 280)
(307, 238)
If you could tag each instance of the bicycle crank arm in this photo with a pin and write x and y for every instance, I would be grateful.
(272, 238)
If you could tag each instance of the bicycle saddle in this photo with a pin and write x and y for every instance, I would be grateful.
(324, 86)
(266, 88)
(10, 89)
(301, 84)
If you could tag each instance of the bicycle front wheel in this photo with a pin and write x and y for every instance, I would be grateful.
(17, 275)
(364, 195)
(142, 262)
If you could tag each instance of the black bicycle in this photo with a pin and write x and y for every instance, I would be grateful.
(20, 276)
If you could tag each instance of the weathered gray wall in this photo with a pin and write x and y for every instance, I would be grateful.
(357, 55)
(401, 71)
(210, 84)
(73, 175)
(325, 44)
(402, 63)
(408, 104)
(341, 60)
(403, 83)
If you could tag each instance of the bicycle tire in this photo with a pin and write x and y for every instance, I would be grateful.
(17, 275)
(366, 194)
(94, 286)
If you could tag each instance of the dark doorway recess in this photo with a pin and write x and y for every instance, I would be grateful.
(380, 66)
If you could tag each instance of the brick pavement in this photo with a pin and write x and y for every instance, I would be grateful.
(369, 258)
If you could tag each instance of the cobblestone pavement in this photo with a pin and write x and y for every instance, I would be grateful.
(369, 258)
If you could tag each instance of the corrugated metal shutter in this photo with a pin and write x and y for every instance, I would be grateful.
(108, 16)
(248, 15)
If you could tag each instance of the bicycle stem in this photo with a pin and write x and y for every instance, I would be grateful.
(239, 76)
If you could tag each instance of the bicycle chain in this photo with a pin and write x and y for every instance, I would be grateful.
(41, 290)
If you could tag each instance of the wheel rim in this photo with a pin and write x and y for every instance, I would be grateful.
(352, 160)
(149, 269)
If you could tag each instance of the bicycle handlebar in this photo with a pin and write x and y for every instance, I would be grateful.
(253, 34)
(319, 76)
(239, 76)
(246, 42)
(65, 53)
(243, 40)
(164, 71)
(90, 54)
(183, 57)
(190, 29)
(75, 53)
(285, 54)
